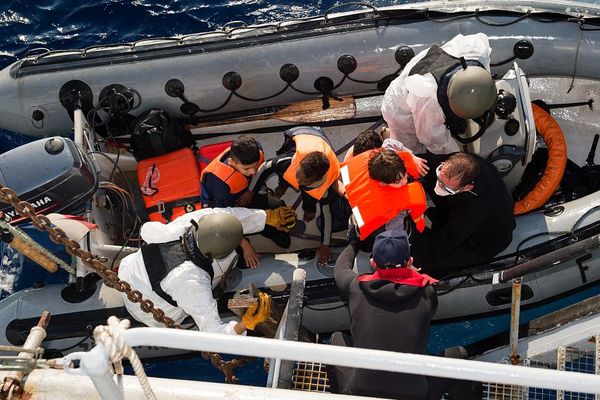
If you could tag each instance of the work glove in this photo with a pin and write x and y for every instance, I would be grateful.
(283, 218)
(258, 312)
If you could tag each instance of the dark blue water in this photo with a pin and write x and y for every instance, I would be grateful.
(69, 24)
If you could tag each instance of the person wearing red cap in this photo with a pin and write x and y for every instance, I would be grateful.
(390, 309)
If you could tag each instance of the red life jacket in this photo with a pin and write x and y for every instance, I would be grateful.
(232, 177)
(374, 204)
(401, 275)
(305, 144)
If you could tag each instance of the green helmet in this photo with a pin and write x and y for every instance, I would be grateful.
(471, 92)
(218, 234)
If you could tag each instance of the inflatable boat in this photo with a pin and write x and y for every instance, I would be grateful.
(329, 71)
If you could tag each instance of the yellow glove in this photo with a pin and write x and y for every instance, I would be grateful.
(258, 312)
(282, 218)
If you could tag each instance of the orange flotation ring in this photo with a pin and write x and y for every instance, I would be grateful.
(553, 136)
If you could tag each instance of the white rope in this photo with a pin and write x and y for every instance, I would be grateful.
(110, 337)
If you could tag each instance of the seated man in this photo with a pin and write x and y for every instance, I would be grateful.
(225, 182)
(183, 261)
(377, 188)
(390, 309)
(308, 163)
(225, 179)
(472, 220)
(437, 91)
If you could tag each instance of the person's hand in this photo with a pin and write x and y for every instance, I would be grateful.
(283, 218)
(309, 216)
(421, 165)
(250, 255)
(245, 199)
(258, 312)
(323, 255)
(280, 191)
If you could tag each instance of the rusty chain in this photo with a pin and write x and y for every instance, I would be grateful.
(58, 236)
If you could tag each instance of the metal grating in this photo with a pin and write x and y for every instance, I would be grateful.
(576, 360)
(567, 359)
(310, 377)
(499, 391)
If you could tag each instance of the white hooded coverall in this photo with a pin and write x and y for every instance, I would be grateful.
(410, 105)
(188, 285)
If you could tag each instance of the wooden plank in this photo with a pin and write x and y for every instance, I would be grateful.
(305, 112)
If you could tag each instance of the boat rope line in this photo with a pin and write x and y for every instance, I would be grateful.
(569, 237)
(572, 84)
(497, 24)
(379, 17)
(289, 73)
(58, 236)
(110, 337)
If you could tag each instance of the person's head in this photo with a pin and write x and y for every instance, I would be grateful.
(218, 234)
(471, 92)
(367, 140)
(244, 155)
(312, 169)
(457, 174)
(391, 250)
(387, 167)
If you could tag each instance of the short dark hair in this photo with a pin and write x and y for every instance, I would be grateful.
(245, 150)
(314, 165)
(386, 166)
(367, 140)
(464, 166)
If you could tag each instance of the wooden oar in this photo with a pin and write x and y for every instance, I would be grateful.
(305, 112)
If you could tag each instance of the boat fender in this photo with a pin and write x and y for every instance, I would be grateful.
(550, 131)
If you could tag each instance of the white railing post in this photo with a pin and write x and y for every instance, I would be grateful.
(96, 366)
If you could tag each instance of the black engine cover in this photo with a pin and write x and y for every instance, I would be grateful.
(51, 173)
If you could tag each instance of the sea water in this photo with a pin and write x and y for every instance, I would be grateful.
(71, 24)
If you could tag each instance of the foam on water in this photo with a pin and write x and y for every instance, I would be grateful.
(11, 266)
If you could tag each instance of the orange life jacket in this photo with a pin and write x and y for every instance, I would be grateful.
(307, 143)
(232, 177)
(406, 156)
(374, 204)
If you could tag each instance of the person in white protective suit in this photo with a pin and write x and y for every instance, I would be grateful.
(437, 91)
(183, 261)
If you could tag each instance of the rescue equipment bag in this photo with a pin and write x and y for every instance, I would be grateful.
(154, 133)
(166, 191)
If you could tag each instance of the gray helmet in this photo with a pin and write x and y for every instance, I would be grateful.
(471, 92)
(218, 234)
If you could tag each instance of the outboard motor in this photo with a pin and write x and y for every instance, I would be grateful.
(52, 174)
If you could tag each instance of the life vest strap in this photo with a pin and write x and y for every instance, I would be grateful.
(166, 208)
(156, 269)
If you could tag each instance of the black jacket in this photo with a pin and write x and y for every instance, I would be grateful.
(467, 228)
(384, 316)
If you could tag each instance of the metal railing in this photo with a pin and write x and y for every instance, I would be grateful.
(349, 357)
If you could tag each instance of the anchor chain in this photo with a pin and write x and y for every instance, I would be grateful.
(58, 236)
